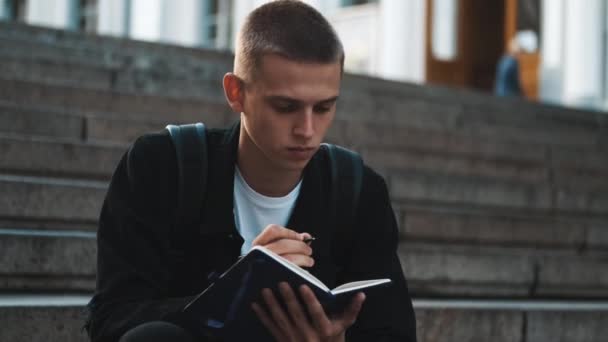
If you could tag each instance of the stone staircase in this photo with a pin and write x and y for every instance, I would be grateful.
(502, 203)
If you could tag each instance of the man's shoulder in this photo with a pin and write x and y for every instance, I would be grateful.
(159, 146)
(371, 176)
(372, 180)
(149, 153)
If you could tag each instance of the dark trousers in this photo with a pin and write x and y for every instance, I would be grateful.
(157, 332)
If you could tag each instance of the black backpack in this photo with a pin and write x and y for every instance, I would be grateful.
(190, 143)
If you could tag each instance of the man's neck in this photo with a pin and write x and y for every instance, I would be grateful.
(260, 174)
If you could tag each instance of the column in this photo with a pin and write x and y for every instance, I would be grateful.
(62, 14)
(183, 22)
(583, 53)
(224, 26)
(402, 40)
(605, 63)
(114, 17)
(146, 19)
(553, 22)
(4, 10)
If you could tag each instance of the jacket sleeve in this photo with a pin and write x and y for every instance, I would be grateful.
(387, 314)
(133, 274)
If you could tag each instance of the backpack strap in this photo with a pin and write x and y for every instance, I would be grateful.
(346, 172)
(190, 143)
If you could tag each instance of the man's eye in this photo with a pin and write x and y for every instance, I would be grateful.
(322, 109)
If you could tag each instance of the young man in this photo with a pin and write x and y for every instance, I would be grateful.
(268, 185)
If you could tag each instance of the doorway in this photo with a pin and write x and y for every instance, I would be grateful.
(466, 38)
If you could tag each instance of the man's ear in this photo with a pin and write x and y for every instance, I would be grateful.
(234, 92)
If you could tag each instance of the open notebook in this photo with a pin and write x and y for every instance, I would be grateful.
(226, 304)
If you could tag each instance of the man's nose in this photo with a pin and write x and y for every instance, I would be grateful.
(305, 125)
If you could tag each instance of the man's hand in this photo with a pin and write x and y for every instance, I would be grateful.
(296, 325)
(286, 243)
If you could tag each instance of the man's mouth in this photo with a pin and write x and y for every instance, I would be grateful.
(301, 148)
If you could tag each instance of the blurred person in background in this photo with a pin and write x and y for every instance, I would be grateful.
(508, 82)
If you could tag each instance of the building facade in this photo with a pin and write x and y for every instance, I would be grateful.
(392, 39)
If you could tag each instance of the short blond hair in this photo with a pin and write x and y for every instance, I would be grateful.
(288, 28)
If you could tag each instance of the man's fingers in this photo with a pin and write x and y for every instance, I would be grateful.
(324, 325)
(266, 321)
(275, 232)
(288, 246)
(286, 243)
(298, 316)
(305, 236)
(300, 260)
(317, 314)
(276, 311)
(282, 324)
(349, 316)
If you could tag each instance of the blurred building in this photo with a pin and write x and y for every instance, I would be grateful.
(450, 42)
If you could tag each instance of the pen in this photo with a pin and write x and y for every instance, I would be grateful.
(309, 240)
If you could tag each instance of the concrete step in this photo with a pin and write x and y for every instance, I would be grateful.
(511, 181)
(525, 122)
(74, 126)
(379, 98)
(43, 318)
(53, 157)
(65, 199)
(371, 125)
(107, 45)
(208, 65)
(45, 38)
(583, 170)
(96, 158)
(50, 199)
(451, 153)
(510, 320)
(47, 260)
(356, 126)
(60, 318)
(411, 115)
(165, 79)
(494, 271)
(61, 120)
(524, 168)
(26, 61)
(41, 121)
(414, 112)
(411, 188)
(48, 71)
(438, 224)
(127, 65)
(566, 167)
(37, 260)
(103, 102)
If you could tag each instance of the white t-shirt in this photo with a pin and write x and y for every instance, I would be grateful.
(254, 211)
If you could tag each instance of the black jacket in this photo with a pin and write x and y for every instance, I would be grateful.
(137, 281)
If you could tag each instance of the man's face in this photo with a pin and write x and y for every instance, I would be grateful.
(287, 109)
